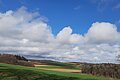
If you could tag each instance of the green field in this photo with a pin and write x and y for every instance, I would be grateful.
(54, 66)
(50, 67)
(60, 64)
(14, 72)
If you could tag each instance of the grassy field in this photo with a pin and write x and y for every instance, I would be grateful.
(14, 72)
(50, 66)
(60, 64)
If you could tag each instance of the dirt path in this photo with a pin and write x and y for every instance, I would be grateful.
(63, 70)
(58, 69)
(36, 65)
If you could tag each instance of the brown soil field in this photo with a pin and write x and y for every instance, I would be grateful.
(58, 69)
(63, 70)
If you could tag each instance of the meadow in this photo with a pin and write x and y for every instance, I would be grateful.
(15, 72)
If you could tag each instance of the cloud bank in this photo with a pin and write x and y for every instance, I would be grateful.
(27, 33)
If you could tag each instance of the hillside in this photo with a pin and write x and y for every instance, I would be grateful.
(55, 63)
(14, 59)
(52, 70)
(15, 72)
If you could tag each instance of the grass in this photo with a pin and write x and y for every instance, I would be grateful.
(61, 64)
(15, 72)
(50, 66)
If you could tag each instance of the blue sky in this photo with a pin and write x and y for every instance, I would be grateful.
(79, 14)
(61, 30)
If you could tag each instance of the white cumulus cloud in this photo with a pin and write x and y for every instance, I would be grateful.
(66, 36)
(27, 33)
(102, 33)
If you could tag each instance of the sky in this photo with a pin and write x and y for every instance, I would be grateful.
(61, 30)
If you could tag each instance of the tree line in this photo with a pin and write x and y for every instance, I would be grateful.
(107, 70)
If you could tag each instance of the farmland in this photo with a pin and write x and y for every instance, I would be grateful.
(15, 72)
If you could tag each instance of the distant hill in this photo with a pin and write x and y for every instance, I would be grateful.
(55, 63)
(14, 59)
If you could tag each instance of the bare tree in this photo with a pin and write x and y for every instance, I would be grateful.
(118, 56)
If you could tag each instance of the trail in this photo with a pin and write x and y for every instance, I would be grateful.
(63, 70)
(58, 69)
